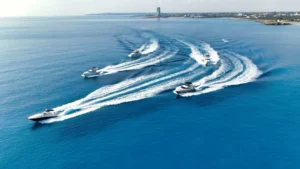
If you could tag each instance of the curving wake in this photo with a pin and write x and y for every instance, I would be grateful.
(227, 69)
(149, 48)
(153, 56)
(234, 70)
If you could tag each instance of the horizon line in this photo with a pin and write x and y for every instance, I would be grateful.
(103, 13)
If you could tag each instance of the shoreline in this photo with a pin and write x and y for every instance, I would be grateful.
(268, 22)
(262, 21)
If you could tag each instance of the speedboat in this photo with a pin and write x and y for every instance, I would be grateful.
(135, 53)
(207, 59)
(93, 72)
(47, 114)
(187, 87)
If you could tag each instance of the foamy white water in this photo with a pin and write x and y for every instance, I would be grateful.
(153, 46)
(117, 93)
(217, 73)
(237, 68)
(145, 93)
(249, 74)
(123, 85)
(142, 62)
(196, 54)
(109, 92)
(134, 96)
(233, 70)
(214, 56)
(153, 61)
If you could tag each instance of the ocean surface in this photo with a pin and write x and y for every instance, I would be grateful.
(244, 114)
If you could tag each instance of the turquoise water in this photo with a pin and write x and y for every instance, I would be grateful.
(244, 114)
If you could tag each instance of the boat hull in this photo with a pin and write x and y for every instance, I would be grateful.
(184, 91)
(134, 55)
(40, 118)
(90, 75)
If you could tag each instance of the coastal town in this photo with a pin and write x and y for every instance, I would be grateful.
(267, 18)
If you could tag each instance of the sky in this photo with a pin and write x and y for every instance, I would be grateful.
(81, 7)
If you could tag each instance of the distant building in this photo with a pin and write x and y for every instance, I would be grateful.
(158, 12)
(278, 21)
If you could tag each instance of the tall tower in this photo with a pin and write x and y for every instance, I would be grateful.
(158, 12)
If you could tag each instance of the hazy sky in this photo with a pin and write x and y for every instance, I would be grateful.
(80, 7)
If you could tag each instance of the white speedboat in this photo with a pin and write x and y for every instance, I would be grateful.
(207, 59)
(187, 87)
(135, 53)
(93, 72)
(47, 114)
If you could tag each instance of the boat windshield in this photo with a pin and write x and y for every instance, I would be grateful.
(185, 87)
(48, 113)
(92, 70)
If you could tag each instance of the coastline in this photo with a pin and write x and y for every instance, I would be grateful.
(268, 22)
(262, 21)
(266, 18)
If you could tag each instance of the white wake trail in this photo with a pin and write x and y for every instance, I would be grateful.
(220, 73)
(214, 56)
(143, 94)
(153, 61)
(148, 86)
(235, 70)
(123, 85)
(133, 96)
(199, 57)
(153, 46)
(217, 73)
(196, 54)
(107, 90)
(134, 65)
(131, 65)
(193, 67)
(250, 74)
(140, 63)
(104, 93)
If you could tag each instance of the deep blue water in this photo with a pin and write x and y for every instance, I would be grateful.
(247, 116)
